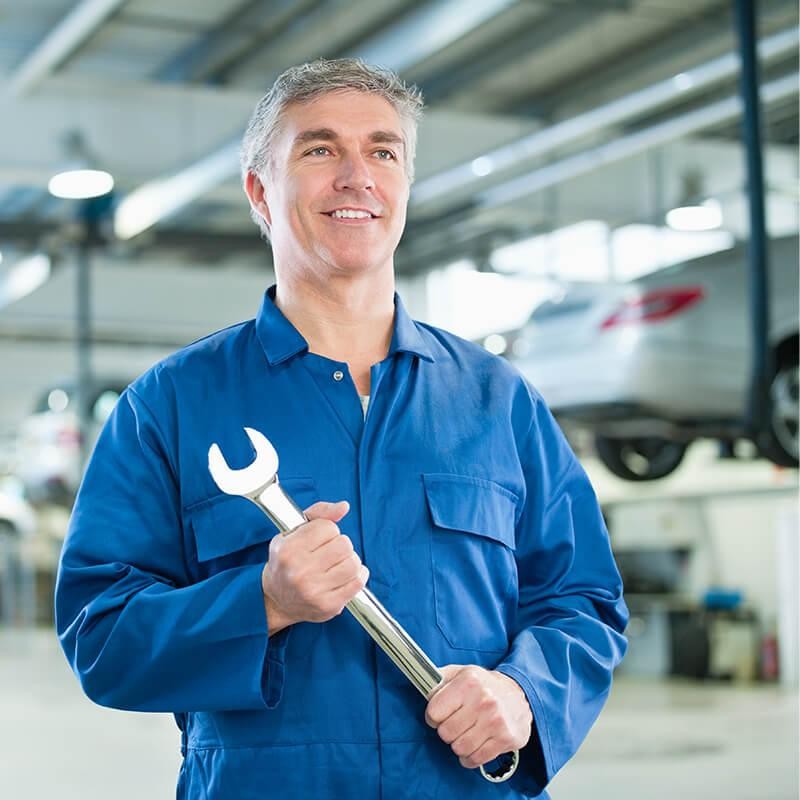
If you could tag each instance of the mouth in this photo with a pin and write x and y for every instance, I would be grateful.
(351, 215)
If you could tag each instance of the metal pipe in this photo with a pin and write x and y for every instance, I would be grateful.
(557, 136)
(572, 166)
(758, 398)
(60, 43)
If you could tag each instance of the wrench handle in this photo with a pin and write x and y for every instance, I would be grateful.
(384, 629)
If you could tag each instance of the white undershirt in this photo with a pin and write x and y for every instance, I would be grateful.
(364, 403)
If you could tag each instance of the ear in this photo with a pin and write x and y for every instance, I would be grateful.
(254, 189)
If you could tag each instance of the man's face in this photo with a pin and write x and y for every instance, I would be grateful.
(336, 195)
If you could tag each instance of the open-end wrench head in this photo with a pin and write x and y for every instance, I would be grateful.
(250, 480)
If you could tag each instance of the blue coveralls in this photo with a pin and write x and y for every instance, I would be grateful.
(481, 531)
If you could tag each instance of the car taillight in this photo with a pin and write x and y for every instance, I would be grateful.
(655, 305)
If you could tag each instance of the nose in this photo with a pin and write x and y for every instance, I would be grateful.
(354, 173)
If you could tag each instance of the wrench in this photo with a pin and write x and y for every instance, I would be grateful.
(258, 482)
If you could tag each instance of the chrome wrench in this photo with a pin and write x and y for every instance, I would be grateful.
(259, 483)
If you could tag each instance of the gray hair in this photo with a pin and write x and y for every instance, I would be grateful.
(306, 82)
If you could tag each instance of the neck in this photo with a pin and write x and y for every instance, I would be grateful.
(347, 319)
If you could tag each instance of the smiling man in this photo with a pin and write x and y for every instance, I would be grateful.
(457, 496)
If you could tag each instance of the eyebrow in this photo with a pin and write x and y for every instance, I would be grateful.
(329, 135)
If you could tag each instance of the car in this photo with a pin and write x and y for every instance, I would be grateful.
(17, 518)
(18, 526)
(48, 450)
(652, 364)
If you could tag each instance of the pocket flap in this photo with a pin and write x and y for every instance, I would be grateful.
(474, 505)
(224, 523)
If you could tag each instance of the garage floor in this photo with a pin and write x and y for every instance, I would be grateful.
(654, 741)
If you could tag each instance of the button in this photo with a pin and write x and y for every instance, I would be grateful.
(338, 375)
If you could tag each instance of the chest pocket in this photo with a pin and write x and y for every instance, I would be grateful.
(472, 560)
(231, 531)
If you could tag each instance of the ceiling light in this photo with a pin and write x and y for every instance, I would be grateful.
(705, 216)
(692, 212)
(79, 179)
(80, 184)
(23, 278)
(482, 166)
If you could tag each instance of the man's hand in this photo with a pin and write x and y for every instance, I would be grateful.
(313, 572)
(480, 714)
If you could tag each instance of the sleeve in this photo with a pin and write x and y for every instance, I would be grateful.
(137, 632)
(568, 637)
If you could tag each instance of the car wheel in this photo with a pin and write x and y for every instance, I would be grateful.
(643, 459)
(780, 443)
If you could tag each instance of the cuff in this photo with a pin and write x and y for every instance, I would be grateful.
(274, 666)
(532, 775)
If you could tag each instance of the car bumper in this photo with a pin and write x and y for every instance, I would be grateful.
(618, 375)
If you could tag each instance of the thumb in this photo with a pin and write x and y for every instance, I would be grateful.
(332, 511)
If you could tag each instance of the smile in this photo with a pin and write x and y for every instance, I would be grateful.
(351, 214)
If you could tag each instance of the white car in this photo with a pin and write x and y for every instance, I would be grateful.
(49, 440)
(17, 518)
(652, 364)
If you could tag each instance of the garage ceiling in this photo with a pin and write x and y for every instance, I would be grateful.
(158, 87)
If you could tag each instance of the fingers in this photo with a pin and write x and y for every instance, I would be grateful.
(314, 572)
(349, 590)
(485, 753)
(332, 511)
(469, 744)
(456, 725)
(321, 529)
(444, 703)
(343, 572)
(475, 712)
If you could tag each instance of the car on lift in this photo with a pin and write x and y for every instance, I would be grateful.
(652, 364)
(48, 449)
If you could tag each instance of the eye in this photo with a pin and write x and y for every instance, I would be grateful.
(385, 155)
(321, 150)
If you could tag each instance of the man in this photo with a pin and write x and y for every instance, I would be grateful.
(459, 500)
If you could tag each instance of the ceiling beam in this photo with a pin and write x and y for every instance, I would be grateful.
(702, 34)
(416, 36)
(427, 30)
(238, 33)
(518, 45)
(716, 113)
(542, 142)
(64, 40)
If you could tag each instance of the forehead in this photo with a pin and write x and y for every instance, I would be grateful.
(347, 112)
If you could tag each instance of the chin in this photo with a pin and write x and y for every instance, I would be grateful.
(356, 263)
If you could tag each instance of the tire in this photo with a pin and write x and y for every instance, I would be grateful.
(780, 443)
(642, 459)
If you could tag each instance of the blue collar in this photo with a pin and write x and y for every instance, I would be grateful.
(281, 340)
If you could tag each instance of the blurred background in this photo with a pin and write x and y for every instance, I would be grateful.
(606, 195)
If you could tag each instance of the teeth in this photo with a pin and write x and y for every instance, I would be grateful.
(346, 213)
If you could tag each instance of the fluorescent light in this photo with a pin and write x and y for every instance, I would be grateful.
(81, 184)
(641, 249)
(157, 199)
(482, 166)
(24, 277)
(575, 252)
(704, 217)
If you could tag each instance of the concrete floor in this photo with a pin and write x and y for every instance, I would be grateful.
(654, 741)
